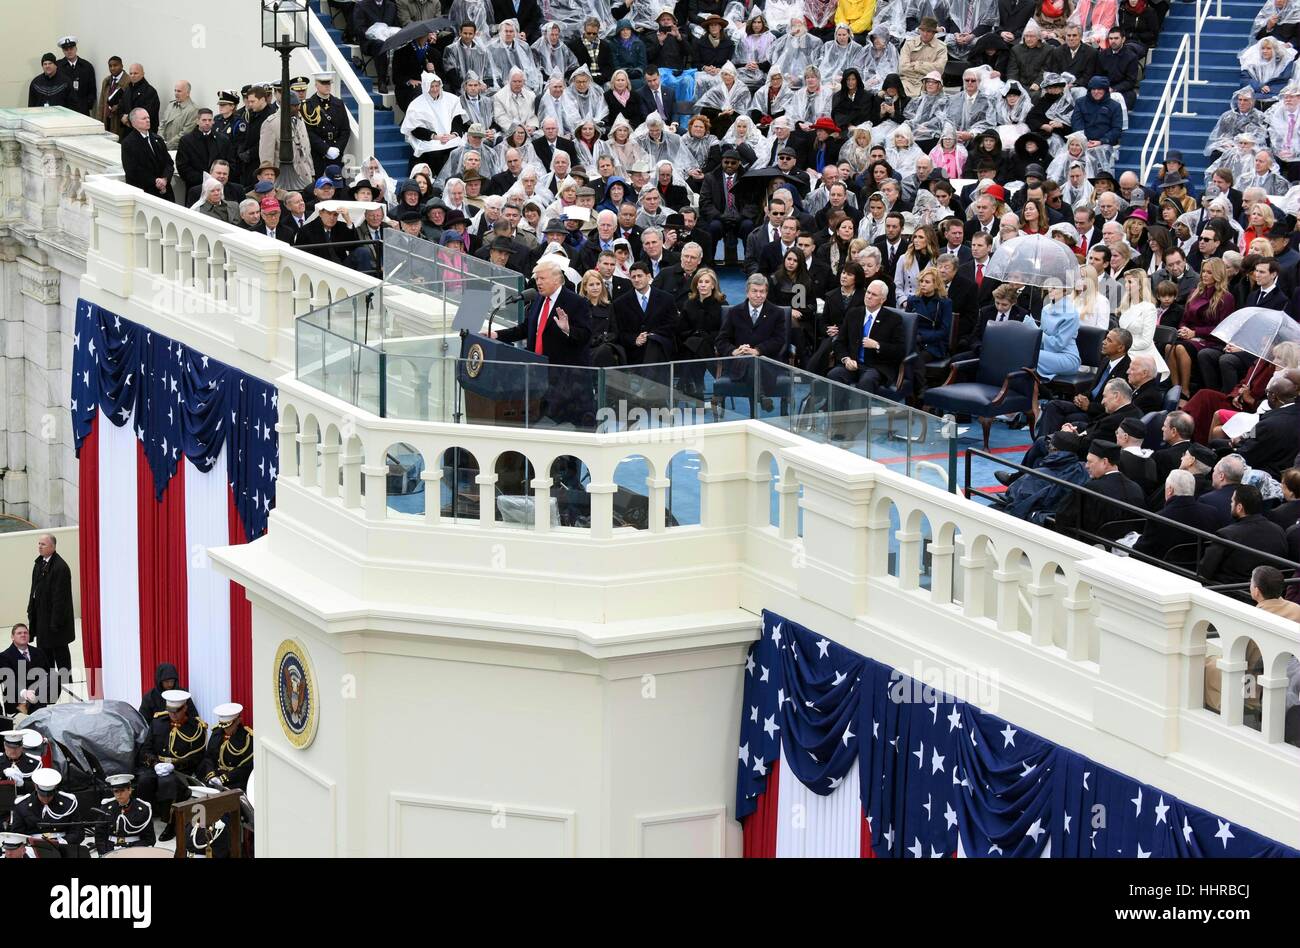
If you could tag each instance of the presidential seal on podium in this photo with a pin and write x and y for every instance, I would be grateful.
(295, 688)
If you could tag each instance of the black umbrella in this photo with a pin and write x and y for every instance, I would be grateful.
(762, 178)
(408, 34)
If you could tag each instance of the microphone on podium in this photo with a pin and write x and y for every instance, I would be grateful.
(524, 296)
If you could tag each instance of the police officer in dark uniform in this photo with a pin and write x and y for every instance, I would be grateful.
(82, 91)
(127, 821)
(48, 811)
(176, 746)
(18, 765)
(229, 761)
(327, 120)
(232, 124)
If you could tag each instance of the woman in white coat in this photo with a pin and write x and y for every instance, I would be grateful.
(1137, 314)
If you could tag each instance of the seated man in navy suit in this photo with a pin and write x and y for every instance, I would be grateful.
(870, 344)
(1227, 474)
(558, 326)
(645, 319)
(754, 328)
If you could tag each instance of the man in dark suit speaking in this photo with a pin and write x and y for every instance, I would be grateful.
(558, 326)
(49, 606)
(145, 161)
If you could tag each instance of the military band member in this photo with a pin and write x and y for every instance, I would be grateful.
(233, 124)
(18, 765)
(229, 761)
(15, 846)
(176, 744)
(48, 811)
(208, 842)
(128, 822)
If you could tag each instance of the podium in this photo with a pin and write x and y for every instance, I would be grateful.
(503, 384)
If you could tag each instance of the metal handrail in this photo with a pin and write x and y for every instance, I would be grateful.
(363, 122)
(1203, 14)
(1157, 140)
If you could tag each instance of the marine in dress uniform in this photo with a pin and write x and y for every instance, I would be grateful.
(231, 124)
(127, 821)
(15, 846)
(176, 746)
(80, 75)
(229, 761)
(48, 811)
(18, 765)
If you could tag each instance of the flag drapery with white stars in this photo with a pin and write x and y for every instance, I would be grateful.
(177, 452)
(929, 776)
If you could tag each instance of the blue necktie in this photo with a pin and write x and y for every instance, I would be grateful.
(866, 331)
(643, 303)
(1101, 383)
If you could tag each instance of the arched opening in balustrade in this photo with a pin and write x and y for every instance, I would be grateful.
(1047, 613)
(632, 501)
(460, 488)
(975, 561)
(569, 497)
(203, 264)
(329, 450)
(685, 496)
(892, 547)
(1204, 681)
(916, 567)
(1286, 667)
(403, 485)
(302, 295)
(942, 563)
(185, 258)
(351, 484)
(1246, 649)
(308, 438)
(513, 490)
(1012, 580)
(169, 241)
(141, 237)
(766, 493)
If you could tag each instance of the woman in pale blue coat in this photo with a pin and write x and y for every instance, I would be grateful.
(1060, 324)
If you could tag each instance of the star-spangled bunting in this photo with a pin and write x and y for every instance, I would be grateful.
(938, 776)
(180, 403)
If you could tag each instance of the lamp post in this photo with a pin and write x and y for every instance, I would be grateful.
(284, 29)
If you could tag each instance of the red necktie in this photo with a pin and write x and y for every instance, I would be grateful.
(979, 274)
(541, 324)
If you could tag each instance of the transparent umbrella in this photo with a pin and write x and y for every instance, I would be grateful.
(1034, 260)
(1257, 330)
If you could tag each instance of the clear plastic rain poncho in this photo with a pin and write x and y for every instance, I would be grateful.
(1062, 110)
(1242, 116)
(1010, 119)
(805, 106)
(1076, 149)
(871, 226)
(1239, 159)
(840, 53)
(1282, 121)
(856, 150)
(590, 148)
(891, 15)
(467, 59)
(1266, 72)
(901, 151)
(744, 131)
(768, 103)
(925, 113)
(550, 104)
(969, 16)
(879, 57)
(1076, 190)
(1286, 11)
(506, 51)
(695, 151)
(644, 14)
(915, 10)
(753, 48)
(656, 142)
(478, 12)
(1092, 16)
(526, 151)
(927, 209)
(583, 99)
(728, 92)
(794, 52)
(1265, 174)
(623, 145)
(821, 13)
(550, 52)
(571, 14)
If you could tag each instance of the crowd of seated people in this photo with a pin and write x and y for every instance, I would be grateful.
(861, 160)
